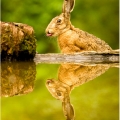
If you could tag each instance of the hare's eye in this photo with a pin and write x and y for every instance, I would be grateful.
(58, 93)
(59, 21)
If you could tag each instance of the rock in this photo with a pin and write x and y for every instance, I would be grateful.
(17, 41)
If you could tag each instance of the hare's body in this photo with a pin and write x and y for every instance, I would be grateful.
(73, 75)
(71, 39)
(76, 40)
(69, 77)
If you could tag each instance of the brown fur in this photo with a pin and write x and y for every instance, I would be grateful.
(69, 77)
(76, 40)
(71, 39)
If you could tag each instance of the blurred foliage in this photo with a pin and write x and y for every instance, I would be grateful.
(96, 17)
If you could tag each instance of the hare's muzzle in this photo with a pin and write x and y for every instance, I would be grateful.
(48, 33)
(49, 81)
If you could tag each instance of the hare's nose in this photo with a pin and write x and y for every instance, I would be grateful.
(49, 81)
(49, 33)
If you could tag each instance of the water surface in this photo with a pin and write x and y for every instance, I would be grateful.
(93, 92)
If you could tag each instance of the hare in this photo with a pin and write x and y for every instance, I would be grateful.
(61, 92)
(71, 39)
(69, 77)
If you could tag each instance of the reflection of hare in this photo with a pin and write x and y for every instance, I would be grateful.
(69, 77)
(72, 39)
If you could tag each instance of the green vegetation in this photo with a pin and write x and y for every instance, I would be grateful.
(95, 100)
(96, 17)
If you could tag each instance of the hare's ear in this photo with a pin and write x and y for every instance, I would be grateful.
(68, 111)
(68, 6)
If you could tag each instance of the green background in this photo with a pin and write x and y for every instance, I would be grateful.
(96, 100)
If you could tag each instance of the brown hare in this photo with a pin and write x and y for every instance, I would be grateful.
(71, 39)
(69, 77)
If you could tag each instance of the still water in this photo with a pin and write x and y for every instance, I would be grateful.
(59, 91)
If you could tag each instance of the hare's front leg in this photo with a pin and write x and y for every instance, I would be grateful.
(69, 44)
(70, 49)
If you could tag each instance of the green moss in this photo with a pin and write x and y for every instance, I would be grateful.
(17, 41)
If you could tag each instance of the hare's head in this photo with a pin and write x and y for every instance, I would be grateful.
(58, 89)
(61, 23)
(61, 92)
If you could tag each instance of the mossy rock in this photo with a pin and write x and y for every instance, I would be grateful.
(17, 41)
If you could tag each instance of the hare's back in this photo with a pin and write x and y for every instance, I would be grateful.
(92, 43)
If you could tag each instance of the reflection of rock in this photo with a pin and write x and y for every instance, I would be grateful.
(69, 77)
(17, 78)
